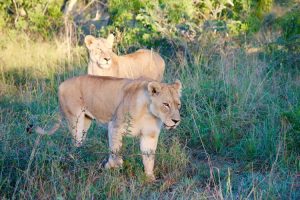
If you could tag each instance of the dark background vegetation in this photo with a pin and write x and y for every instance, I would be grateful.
(238, 62)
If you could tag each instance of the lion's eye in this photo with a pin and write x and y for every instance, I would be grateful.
(167, 105)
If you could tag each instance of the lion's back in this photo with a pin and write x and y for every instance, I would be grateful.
(142, 63)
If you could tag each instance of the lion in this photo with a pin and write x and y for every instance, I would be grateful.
(104, 62)
(136, 108)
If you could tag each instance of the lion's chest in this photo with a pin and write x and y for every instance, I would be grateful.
(139, 123)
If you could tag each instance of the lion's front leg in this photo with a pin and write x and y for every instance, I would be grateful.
(148, 146)
(115, 144)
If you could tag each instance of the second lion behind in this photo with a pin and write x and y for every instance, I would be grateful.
(104, 62)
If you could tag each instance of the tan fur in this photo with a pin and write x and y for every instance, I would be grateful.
(104, 62)
(129, 107)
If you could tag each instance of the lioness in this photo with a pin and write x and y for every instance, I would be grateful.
(130, 107)
(104, 62)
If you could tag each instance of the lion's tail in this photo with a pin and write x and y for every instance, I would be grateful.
(42, 131)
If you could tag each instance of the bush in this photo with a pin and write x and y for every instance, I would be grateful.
(40, 17)
(286, 48)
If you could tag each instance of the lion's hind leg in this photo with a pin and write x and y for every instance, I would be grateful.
(78, 125)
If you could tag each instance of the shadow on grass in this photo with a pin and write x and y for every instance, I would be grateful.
(35, 101)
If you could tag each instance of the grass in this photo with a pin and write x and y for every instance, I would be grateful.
(236, 139)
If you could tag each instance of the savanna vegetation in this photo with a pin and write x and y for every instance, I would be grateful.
(238, 60)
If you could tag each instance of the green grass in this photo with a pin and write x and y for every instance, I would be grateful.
(238, 137)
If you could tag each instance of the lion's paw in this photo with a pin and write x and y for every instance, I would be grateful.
(113, 163)
(150, 177)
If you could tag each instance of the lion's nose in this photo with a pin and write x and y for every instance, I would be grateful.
(175, 121)
(106, 59)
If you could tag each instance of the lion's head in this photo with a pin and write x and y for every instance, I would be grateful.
(165, 102)
(100, 50)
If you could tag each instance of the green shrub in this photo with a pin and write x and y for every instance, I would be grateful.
(144, 21)
(41, 17)
(285, 50)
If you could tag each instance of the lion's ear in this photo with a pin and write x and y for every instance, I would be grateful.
(154, 88)
(110, 39)
(88, 40)
(178, 86)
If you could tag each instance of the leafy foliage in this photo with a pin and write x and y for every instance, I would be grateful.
(143, 22)
(38, 16)
(286, 48)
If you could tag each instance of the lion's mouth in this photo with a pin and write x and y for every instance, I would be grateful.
(104, 65)
(169, 127)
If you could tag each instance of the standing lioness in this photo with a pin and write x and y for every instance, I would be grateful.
(130, 107)
(104, 62)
